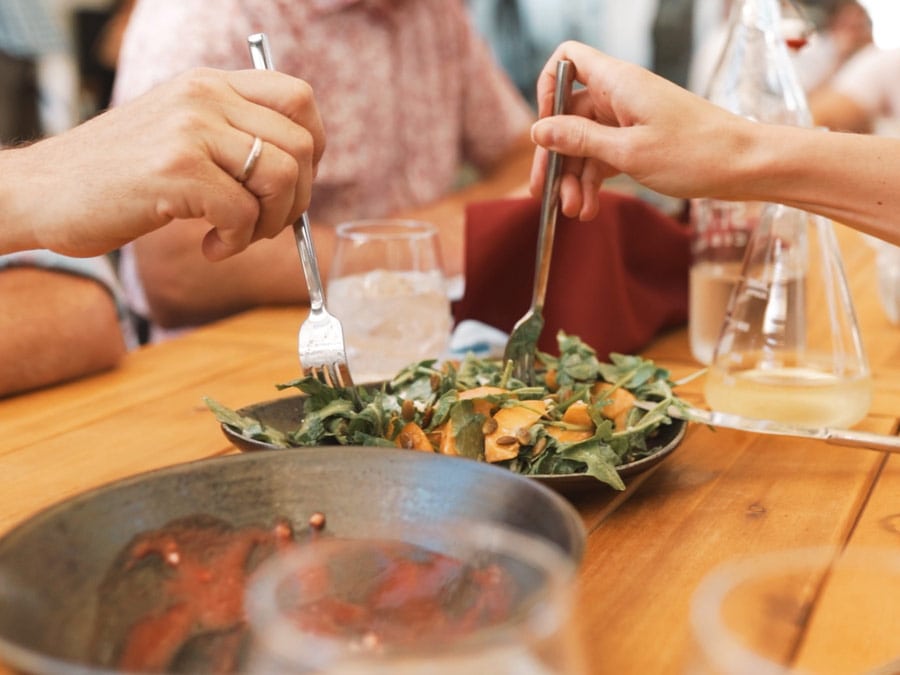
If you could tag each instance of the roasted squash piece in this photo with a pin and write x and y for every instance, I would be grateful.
(412, 437)
(447, 443)
(503, 442)
(578, 413)
(479, 395)
(550, 380)
(621, 404)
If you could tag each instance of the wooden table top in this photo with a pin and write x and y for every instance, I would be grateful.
(721, 494)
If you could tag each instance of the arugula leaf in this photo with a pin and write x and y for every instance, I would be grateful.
(597, 461)
(466, 425)
(577, 361)
(247, 426)
(443, 409)
(640, 376)
(314, 428)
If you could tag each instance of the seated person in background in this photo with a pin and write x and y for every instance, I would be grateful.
(409, 94)
(523, 33)
(110, 39)
(845, 29)
(863, 93)
(629, 121)
(175, 152)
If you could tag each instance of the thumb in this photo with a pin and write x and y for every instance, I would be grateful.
(572, 135)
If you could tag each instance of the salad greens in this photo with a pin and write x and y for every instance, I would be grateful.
(577, 419)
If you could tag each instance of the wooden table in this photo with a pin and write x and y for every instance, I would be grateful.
(721, 494)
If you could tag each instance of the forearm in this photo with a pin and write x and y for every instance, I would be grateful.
(54, 327)
(509, 177)
(19, 194)
(850, 178)
(183, 288)
(61, 195)
(839, 112)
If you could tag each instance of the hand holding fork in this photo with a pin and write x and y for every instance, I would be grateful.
(321, 339)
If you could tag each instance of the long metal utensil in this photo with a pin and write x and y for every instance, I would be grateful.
(321, 340)
(522, 343)
(859, 439)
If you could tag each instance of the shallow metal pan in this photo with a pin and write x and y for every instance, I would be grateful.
(51, 565)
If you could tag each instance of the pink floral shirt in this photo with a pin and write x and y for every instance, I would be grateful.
(408, 92)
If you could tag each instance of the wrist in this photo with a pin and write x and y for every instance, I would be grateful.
(16, 204)
(768, 159)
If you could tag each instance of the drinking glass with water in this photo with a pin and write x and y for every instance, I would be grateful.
(388, 288)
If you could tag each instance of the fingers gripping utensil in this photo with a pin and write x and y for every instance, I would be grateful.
(321, 348)
(522, 343)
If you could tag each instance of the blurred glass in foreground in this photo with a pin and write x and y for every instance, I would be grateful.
(435, 598)
(816, 611)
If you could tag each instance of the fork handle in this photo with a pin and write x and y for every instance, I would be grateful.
(260, 54)
(310, 263)
(261, 57)
(550, 201)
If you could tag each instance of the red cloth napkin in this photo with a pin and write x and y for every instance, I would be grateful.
(615, 281)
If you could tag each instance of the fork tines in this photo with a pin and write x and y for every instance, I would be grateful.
(332, 374)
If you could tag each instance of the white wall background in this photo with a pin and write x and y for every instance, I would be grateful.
(885, 20)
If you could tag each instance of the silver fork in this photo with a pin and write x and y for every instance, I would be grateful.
(323, 354)
(522, 342)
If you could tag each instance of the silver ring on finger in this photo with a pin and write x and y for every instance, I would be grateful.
(252, 159)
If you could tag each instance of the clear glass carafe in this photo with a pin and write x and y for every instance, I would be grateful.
(754, 75)
(790, 348)
(755, 78)
(774, 319)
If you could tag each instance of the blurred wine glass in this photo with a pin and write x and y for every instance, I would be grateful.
(436, 598)
(807, 611)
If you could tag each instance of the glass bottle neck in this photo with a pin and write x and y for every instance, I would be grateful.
(755, 75)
